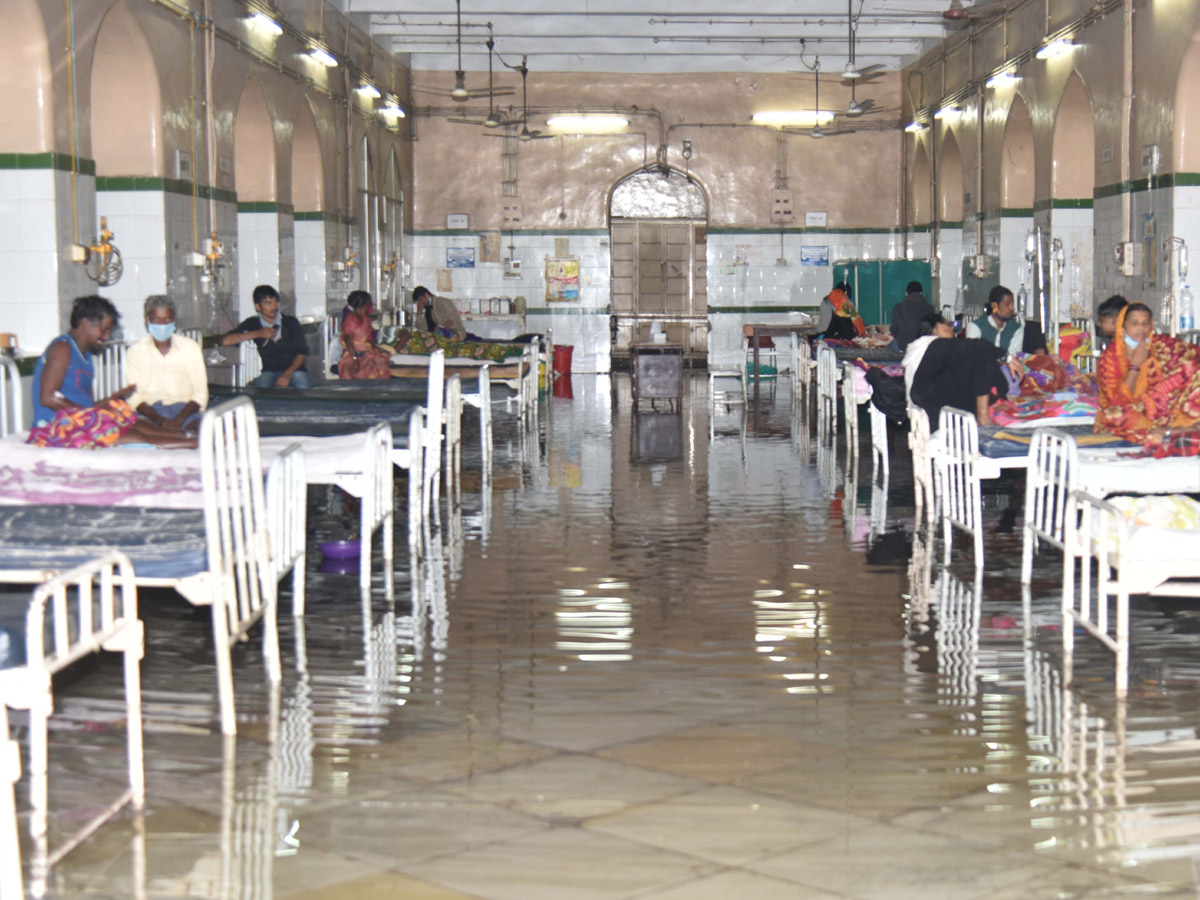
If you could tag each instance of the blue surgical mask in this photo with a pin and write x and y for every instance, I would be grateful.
(161, 332)
(1130, 342)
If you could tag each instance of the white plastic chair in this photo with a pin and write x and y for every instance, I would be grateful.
(727, 396)
(12, 404)
(1051, 475)
(90, 608)
(956, 460)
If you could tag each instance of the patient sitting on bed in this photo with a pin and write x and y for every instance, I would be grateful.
(168, 370)
(1149, 383)
(65, 413)
(965, 374)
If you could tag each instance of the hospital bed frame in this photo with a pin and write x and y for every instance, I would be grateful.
(90, 608)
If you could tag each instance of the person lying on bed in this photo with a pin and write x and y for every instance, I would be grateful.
(438, 315)
(280, 341)
(966, 374)
(1149, 383)
(361, 356)
(169, 371)
(65, 413)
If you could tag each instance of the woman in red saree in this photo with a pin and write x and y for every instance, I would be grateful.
(361, 356)
(1149, 383)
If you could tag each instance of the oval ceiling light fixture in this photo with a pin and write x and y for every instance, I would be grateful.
(264, 23)
(392, 108)
(1055, 48)
(588, 123)
(322, 57)
(793, 118)
(916, 127)
(368, 90)
(947, 111)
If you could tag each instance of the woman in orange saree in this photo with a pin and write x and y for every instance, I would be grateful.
(361, 356)
(1149, 383)
(838, 317)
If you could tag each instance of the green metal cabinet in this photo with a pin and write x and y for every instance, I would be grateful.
(879, 284)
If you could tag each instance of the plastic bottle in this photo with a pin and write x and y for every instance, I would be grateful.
(1187, 309)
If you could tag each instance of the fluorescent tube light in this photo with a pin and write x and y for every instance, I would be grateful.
(369, 90)
(392, 108)
(1002, 79)
(801, 118)
(588, 124)
(265, 24)
(1054, 48)
(915, 127)
(323, 57)
(947, 111)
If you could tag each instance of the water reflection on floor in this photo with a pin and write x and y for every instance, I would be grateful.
(670, 657)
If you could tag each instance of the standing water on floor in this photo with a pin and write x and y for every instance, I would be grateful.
(656, 654)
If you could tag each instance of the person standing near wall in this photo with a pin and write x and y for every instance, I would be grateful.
(908, 313)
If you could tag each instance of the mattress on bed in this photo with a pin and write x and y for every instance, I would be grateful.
(160, 543)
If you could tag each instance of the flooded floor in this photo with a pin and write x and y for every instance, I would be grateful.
(662, 656)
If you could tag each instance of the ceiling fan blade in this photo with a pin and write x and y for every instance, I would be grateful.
(464, 121)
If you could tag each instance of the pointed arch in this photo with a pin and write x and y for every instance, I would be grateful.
(657, 193)
(26, 115)
(126, 98)
(1016, 158)
(1073, 150)
(1187, 110)
(919, 201)
(950, 181)
(254, 145)
(308, 164)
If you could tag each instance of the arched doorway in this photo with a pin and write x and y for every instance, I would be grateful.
(950, 226)
(659, 222)
(1073, 184)
(126, 125)
(919, 204)
(26, 124)
(258, 211)
(1004, 238)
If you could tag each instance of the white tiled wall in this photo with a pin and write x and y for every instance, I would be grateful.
(1011, 247)
(762, 282)
(29, 256)
(583, 323)
(311, 270)
(137, 220)
(950, 257)
(1074, 228)
(258, 256)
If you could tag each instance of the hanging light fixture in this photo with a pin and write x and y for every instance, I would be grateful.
(322, 57)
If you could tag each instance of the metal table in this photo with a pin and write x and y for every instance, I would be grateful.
(779, 329)
(656, 371)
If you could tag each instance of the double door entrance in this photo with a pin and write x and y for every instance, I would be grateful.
(659, 271)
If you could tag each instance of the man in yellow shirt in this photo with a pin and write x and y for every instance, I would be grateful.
(167, 370)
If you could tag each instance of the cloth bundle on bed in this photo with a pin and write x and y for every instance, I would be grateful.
(1051, 389)
(997, 442)
(410, 342)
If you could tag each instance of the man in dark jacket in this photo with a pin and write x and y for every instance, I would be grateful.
(280, 341)
(908, 313)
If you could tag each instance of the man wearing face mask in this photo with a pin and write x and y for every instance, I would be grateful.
(168, 370)
(1000, 326)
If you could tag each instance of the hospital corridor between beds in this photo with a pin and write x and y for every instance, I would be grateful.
(710, 652)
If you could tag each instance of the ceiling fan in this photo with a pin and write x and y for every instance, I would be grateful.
(494, 119)
(817, 132)
(852, 72)
(526, 133)
(460, 93)
(957, 14)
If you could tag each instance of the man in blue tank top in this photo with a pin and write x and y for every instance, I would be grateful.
(63, 376)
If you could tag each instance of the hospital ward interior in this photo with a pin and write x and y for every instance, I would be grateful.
(582, 450)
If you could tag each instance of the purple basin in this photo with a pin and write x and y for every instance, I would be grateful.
(341, 549)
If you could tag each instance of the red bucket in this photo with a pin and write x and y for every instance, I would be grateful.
(562, 359)
(562, 387)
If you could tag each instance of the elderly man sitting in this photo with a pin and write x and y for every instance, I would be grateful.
(167, 370)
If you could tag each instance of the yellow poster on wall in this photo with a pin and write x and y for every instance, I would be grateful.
(562, 279)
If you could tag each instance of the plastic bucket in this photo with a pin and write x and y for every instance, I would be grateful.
(562, 359)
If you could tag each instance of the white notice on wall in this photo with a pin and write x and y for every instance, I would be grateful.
(816, 219)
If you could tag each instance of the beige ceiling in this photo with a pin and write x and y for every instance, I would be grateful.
(656, 35)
